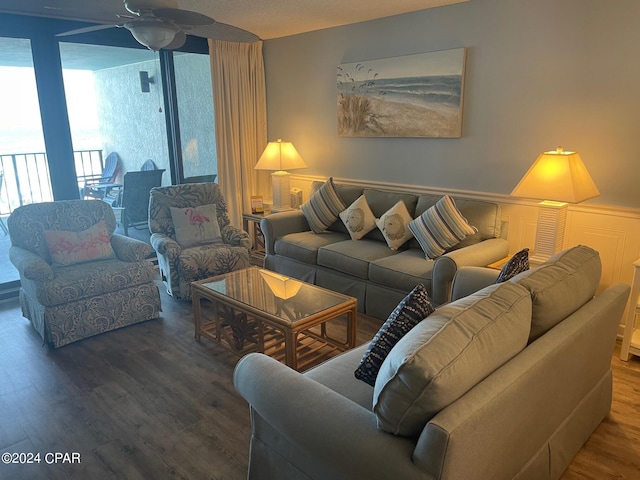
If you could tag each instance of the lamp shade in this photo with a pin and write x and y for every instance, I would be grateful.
(153, 34)
(281, 286)
(280, 156)
(558, 176)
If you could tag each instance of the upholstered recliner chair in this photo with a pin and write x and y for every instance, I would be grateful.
(190, 244)
(78, 278)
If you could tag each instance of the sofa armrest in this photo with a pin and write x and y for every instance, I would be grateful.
(130, 249)
(29, 265)
(468, 280)
(279, 224)
(235, 236)
(337, 432)
(476, 255)
(552, 395)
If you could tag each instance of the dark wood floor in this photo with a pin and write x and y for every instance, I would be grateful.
(148, 402)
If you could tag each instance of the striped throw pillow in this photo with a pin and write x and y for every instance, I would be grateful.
(323, 207)
(441, 227)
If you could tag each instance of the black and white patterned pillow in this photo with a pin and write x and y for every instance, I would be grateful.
(517, 264)
(415, 307)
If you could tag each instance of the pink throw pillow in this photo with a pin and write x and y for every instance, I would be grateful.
(69, 248)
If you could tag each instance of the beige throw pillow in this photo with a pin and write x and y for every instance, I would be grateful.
(196, 225)
(358, 218)
(394, 225)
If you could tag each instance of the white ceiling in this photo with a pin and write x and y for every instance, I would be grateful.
(266, 18)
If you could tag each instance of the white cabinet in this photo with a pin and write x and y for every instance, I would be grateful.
(631, 339)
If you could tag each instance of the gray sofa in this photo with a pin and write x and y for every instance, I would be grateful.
(367, 269)
(526, 419)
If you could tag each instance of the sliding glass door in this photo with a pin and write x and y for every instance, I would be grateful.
(24, 169)
(115, 103)
(69, 102)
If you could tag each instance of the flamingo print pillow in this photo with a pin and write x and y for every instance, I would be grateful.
(196, 225)
(70, 248)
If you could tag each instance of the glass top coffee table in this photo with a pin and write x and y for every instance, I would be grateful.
(256, 310)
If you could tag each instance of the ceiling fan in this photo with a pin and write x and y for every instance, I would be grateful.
(157, 28)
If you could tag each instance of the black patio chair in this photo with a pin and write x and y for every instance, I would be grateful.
(133, 203)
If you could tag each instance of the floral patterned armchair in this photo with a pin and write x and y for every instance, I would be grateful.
(68, 295)
(181, 264)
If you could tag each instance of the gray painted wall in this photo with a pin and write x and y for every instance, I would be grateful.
(538, 75)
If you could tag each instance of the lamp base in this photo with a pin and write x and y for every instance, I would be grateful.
(280, 183)
(552, 220)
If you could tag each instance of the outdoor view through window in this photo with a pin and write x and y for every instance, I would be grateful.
(110, 111)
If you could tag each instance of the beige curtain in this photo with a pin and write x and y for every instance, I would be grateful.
(240, 106)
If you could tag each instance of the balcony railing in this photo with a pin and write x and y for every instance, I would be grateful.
(26, 176)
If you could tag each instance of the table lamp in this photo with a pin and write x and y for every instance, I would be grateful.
(556, 177)
(280, 156)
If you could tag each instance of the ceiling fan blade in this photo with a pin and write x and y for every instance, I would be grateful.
(92, 28)
(182, 17)
(222, 31)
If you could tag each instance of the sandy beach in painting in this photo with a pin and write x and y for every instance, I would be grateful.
(391, 118)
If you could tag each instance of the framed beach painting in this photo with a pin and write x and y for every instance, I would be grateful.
(410, 96)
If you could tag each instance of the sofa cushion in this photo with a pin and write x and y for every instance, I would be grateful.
(413, 308)
(441, 227)
(323, 207)
(517, 264)
(444, 356)
(303, 246)
(86, 280)
(70, 248)
(352, 257)
(358, 218)
(561, 286)
(394, 225)
(338, 376)
(402, 271)
(380, 200)
(484, 216)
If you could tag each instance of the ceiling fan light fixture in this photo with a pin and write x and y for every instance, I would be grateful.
(153, 34)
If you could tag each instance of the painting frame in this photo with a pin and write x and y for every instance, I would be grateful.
(419, 95)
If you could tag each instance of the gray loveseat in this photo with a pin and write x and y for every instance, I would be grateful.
(367, 269)
(526, 419)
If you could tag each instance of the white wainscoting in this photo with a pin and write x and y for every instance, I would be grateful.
(613, 231)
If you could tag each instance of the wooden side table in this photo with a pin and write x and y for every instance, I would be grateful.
(497, 265)
(251, 225)
(631, 339)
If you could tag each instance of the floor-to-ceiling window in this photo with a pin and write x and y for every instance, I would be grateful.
(115, 102)
(98, 94)
(24, 172)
